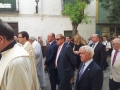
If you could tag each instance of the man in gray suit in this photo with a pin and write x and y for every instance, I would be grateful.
(65, 63)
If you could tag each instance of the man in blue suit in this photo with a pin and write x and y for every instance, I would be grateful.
(68, 41)
(65, 63)
(50, 60)
(90, 75)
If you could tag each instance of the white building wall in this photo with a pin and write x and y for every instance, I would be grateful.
(48, 20)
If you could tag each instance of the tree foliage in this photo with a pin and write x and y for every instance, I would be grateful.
(113, 6)
(76, 11)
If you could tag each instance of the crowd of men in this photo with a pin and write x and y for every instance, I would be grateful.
(22, 66)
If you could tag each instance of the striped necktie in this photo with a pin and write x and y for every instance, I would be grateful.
(81, 70)
(114, 58)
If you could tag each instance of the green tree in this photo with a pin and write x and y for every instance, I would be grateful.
(76, 13)
(113, 6)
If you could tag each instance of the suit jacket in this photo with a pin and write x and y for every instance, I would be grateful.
(92, 78)
(100, 55)
(71, 44)
(115, 69)
(66, 63)
(51, 55)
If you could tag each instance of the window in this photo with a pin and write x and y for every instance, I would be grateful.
(118, 30)
(66, 2)
(68, 33)
(105, 31)
(110, 31)
(7, 5)
(15, 28)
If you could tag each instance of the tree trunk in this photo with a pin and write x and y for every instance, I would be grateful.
(74, 25)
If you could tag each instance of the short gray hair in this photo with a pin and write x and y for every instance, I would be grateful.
(32, 38)
(88, 50)
(116, 40)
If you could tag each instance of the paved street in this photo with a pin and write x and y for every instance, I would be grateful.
(105, 84)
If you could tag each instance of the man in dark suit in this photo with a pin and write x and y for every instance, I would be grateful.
(68, 41)
(65, 63)
(50, 60)
(100, 52)
(90, 75)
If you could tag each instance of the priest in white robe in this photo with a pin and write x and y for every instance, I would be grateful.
(28, 47)
(15, 66)
(39, 61)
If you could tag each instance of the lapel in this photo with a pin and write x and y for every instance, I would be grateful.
(91, 45)
(50, 46)
(62, 50)
(117, 60)
(88, 69)
(95, 49)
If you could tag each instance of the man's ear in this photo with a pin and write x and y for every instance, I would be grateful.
(2, 39)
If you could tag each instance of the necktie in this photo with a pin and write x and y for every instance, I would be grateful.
(48, 45)
(93, 45)
(81, 70)
(114, 58)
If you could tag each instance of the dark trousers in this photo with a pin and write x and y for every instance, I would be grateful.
(113, 85)
(65, 85)
(53, 76)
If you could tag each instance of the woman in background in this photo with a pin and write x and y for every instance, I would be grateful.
(78, 42)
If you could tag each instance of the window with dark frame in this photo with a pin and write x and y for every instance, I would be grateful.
(7, 5)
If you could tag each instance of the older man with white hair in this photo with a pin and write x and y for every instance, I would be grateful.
(39, 61)
(114, 82)
(90, 75)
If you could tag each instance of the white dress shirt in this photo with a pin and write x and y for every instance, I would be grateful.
(95, 45)
(58, 52)
(107, 44)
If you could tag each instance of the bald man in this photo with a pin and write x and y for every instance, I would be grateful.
(50, 60)
(100, 52)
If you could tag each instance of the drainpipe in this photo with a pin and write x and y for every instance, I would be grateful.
(42, 9)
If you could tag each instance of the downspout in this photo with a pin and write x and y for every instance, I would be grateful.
(17, 5)
(42, 9)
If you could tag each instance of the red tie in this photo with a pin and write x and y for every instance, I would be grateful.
(114, 58)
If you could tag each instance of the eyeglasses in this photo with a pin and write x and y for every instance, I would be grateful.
(57, 39)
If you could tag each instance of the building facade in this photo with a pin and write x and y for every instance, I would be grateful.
(103, 26)
(22, 16)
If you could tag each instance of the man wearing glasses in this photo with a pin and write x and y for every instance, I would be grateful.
(65, 63)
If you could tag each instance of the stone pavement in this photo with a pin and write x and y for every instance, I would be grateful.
(105, 83)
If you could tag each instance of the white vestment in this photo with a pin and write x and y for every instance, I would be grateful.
(28, 47)
(16, 70)
(39, 63)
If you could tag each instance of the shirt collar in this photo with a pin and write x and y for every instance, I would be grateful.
(88, 62)
(51, 42)
(96, 43)
(61, 45)
(11, 45)
(105, 41)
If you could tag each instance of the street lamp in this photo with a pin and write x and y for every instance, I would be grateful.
(36, 5)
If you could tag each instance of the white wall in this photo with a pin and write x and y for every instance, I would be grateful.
(52, 20)
(91, 8)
